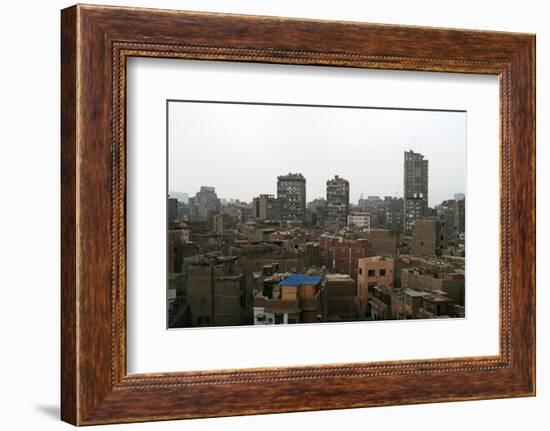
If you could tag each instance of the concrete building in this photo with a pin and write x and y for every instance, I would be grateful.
(215, 292)
(318, 209)
(384, 242)
(385, 213)
(172, 212)
(221, 222)
(452, 214)
(291, 192)
(393, 219)
(446, 214)
(460, 216)
(339, 298)
(359, 220)
(424, 305)
(205, 202)
(415, 188)
(178, 249)
(369, 201)
(373, 271)
(337, 202)
(428, 238)
(451, 284)
(380, 304)
(267, 207)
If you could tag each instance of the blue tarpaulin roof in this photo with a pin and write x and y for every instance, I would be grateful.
(299, 279)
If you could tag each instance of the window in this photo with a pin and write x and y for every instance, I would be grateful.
(279, 318)
(382, 272)
(360, 271)
(371, 273)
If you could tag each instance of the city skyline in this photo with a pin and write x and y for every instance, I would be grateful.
(371, 169)
(283, 256)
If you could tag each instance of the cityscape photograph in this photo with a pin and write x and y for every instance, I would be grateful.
(282, 214)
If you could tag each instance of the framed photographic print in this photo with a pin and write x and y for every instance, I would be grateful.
(266, 215)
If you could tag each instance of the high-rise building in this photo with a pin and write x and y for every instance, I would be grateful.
(205, 202)
(318, 209)
(393, 208)
(337, 202)
(415, 188)
(291, 191)
(451, 214)
(460, 215)
(172, 212)
(267, 207)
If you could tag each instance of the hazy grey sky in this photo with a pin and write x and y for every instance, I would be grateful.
(241, 149)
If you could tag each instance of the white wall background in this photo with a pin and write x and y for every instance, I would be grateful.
(29, 216)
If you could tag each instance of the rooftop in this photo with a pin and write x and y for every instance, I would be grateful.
(338, 277)
(412, 292)
(300, 279)
(376, 259)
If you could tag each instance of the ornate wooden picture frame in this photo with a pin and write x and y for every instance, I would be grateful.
(96, 41)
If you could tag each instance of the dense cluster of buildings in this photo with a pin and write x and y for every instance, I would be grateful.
(281, 259)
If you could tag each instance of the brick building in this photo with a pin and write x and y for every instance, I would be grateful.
(339, 298)
(428, 238)
(384, 242)
(341, 255)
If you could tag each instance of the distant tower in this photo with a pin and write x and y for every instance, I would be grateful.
(337, 202)
(415, 188)
(291, 192)
(205, 202)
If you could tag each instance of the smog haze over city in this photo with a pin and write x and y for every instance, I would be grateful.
(244, 144)
(288, 214)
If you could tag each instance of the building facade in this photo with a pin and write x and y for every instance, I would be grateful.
(373, 271)
(415, 188)
(291, 192)
(428, 238)
(204, 203)
(337, 202)
(359, 220)
(384, 242)
(341, 255)
(339, 298)
(267, 207)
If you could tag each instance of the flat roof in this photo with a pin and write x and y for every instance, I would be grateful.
(299, 279)
(337, 277)
(412, 292)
